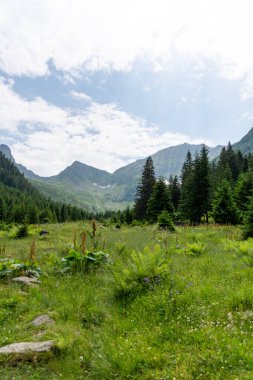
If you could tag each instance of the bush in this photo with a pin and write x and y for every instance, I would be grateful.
(77, 262)
(12, 268)
(165, 221)
(141, 272)
(22, 232)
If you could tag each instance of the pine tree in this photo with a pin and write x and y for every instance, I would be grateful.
(201, 187)
(185, 202)
(144, 190)
(248, 221)
(159, 201)
(174, 188)
(243, 190)
(3, 209)
(224, 207)
(128, 215)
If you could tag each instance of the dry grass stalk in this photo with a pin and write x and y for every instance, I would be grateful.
(32, 252)
(83, 244)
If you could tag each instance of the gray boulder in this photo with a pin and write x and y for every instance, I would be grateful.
(27, 347)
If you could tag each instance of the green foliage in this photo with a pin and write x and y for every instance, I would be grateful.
(22, 232)
(144, 190)
(195, 249)
(195, 188)
(224, 208)
(10, 268)
(159, 200)
(248, 221)
(195, 322)
(140, 272)
(77, 262)
(243, 191)
(21, 202)
(165, 221)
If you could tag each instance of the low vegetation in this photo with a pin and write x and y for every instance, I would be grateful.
(152, 305)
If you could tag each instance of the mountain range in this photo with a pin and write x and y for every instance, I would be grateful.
(95, 189)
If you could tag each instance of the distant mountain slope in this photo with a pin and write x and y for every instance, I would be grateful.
(93, 188)
(79, 175)
(245, 145)
(20, 201)
(86, 186)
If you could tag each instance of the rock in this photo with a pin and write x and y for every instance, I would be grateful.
(43, 319)
(43, 233)
(24, 280)
(27, 347)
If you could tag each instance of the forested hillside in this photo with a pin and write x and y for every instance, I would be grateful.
(21, 202)
(221, 189)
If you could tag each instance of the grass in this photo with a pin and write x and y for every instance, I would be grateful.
(196, 322)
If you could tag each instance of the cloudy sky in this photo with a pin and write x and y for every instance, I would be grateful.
(106, 82)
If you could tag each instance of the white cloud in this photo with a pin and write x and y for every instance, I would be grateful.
(102, 135)
(94, 34)
(81, 96)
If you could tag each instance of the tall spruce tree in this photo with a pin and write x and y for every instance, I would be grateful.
(144, 190)
(248, 221)
(175, 191)
(185, 202)
(201, 187)
(160, 200)
(243, 191)
(224, 207)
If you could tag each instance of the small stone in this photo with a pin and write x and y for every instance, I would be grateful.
(43, 233)
(24, 280)
(43, 319)
(26, 347)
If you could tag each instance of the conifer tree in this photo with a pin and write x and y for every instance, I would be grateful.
(185, 203)
(200, 187)
(144, 190)
(224, 207)
(248, 221)
(159, 201)
(243, 190)
(174, 188)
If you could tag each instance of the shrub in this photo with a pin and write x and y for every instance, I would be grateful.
(195, 249)
(165, 221)
(22, 232)
(77, 262)
(12, 268)
(141, 271)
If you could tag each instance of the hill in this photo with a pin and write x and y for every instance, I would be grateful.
(245, 145)
(21, 202)
(95, 189)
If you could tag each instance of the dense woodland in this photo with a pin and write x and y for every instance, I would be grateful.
(20, 202)
(221, 189)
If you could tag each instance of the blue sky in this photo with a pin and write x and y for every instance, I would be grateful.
(109, 82)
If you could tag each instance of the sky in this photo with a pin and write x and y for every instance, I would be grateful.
(106, 82)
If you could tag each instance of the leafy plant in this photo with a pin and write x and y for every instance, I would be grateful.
(12, 268)
(77, 262)
(141, 271)
(195, 249)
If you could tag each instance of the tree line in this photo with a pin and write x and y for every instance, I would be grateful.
(21, 202)
(221, 189)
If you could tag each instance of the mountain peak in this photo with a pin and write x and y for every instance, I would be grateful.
(6, 151)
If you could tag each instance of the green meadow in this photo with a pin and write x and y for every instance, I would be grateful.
(161, 306)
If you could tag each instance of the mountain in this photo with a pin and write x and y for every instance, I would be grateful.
(21, 202)
(95, 189)
(245, 145)
(5, 150)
